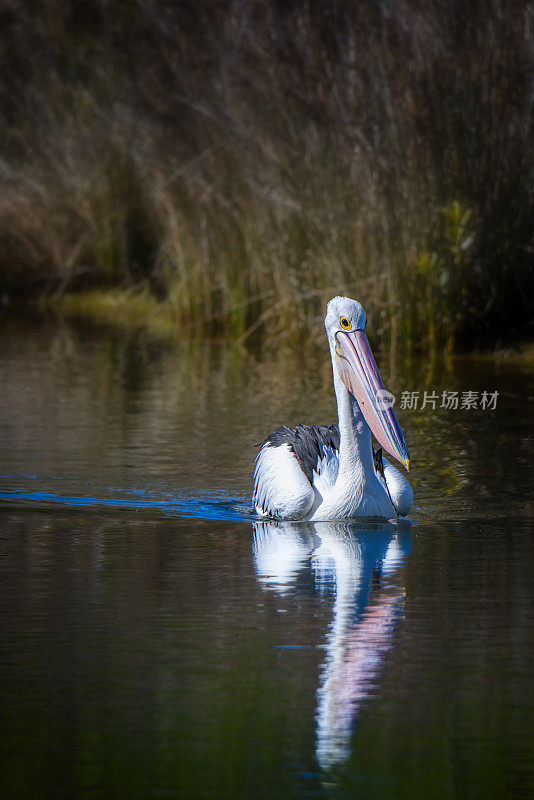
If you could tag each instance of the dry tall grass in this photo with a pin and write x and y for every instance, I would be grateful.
(247, 160)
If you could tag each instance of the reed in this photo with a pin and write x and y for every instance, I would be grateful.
(242, 163)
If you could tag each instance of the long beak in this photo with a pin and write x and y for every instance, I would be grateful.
(358, 371)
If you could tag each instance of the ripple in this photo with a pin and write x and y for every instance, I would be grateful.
(218, 507)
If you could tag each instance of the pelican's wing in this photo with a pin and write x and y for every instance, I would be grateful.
(289, 461)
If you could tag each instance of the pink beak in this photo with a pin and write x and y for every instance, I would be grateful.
(358, 371)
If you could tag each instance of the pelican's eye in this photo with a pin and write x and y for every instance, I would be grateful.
(345, 323)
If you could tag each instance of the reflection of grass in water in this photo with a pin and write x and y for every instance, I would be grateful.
(225, 399)
(137, 308)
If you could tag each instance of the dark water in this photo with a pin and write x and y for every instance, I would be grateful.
(156, 641)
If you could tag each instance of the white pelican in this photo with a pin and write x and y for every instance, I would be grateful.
(325, 473)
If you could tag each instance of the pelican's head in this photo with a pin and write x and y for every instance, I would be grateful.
(353, 360)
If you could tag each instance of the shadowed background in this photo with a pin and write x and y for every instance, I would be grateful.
(234, 165)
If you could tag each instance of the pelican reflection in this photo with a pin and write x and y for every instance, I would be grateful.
(356, 563)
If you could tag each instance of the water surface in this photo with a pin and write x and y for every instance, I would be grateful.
(159, 641)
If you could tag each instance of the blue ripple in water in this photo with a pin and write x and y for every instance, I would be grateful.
(217, 508)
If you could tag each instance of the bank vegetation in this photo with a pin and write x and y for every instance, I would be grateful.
(236, 164)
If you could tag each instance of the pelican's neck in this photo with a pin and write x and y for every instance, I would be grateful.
(355, 451)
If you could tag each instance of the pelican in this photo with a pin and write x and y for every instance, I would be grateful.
(331, 472)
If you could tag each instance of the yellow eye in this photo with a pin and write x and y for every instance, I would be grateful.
(345, 323)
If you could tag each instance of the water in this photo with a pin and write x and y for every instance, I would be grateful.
(156, 640)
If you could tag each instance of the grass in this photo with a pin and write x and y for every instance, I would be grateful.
(116, 307)
(245, 163)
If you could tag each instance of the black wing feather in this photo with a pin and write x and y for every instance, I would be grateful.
(307, 442)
